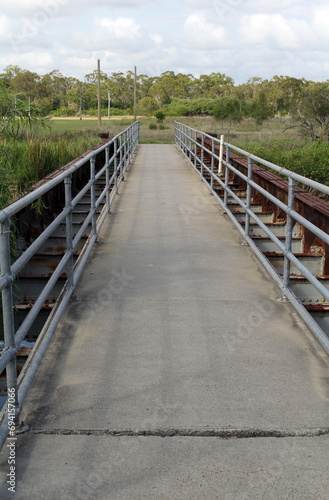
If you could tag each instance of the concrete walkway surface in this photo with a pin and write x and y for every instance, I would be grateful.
(175, 374)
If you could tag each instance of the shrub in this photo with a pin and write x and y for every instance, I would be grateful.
(153, 126)
(63, 112)
(160, 116)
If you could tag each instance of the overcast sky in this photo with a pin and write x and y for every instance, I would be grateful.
(241, 38)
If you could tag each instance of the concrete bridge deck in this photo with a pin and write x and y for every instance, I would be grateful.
(176, 330)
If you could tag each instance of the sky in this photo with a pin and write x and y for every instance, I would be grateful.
(241, 38)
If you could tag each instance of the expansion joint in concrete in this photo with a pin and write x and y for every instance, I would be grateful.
(172, 432)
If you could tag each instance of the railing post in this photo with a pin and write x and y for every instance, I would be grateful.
(202, 156)
(116, 166)
(131, 140)
(227, 175)
(8, 313)
(212, 164)
(221, 152)
(247, 223)
(125, 151)
(185, 140)
(108, 187)
(190, 148)
(93, 195)
(288, 243)
(195, 149)
(121, 156)
(69, 229)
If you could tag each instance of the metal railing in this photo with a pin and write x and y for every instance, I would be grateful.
(189, 140)
(123, 146)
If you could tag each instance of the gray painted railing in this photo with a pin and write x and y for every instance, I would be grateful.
(188, 140)
(124, 145)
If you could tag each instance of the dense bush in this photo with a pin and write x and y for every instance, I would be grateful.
(63, 112)
(26, 162)
(311, 161)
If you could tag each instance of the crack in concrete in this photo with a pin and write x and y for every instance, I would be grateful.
(217, 433)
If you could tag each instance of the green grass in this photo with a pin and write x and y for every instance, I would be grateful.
(89, 125)
(28, 161)
(246, 130)
(311, 160)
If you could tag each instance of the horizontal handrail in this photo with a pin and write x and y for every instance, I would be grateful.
(190, 141)
(280, 170)
(123, 146)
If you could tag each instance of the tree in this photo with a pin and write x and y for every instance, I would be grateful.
(314, 110)
(212, 86)
(25, 83)
(228, 107)
(261, 109)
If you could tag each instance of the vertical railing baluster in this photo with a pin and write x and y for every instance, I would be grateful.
(221, 151)
(115, 166)
(289, 228)
(190, 142)
(121, 151)
(212, 164)
(107, 173)
(185, 140)
(125, 151)
(247, 223)
(195, 149)
(93, 195)
(131, 137)
(227, 175)
(8, 313)
(69, 229)
(130, 141)
(202, 155)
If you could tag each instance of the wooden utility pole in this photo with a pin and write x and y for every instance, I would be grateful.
(99, 93)
(135, 97)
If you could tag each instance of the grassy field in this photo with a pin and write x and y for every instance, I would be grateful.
(26, 161)
(247, 130)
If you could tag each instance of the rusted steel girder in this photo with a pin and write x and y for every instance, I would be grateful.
(313, 208)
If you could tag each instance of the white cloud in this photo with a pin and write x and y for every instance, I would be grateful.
(276, 6)
(60, 7)
(38, 62)
(5, 29)
(320, 26)
(157, 39)
(204, 35)
(121, 34)
(242, 38)
(121, 27)
(284, 33)
(269, 30)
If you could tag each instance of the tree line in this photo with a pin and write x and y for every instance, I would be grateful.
(305, 102)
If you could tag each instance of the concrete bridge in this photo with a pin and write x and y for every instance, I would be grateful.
(175, 372)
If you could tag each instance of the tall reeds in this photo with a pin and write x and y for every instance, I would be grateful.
(24, 162)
